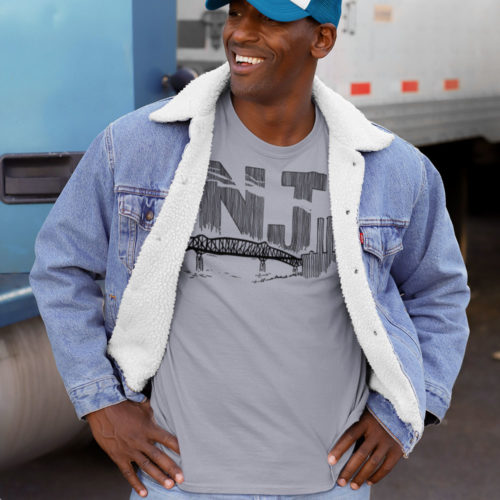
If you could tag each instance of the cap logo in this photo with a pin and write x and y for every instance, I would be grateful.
(303, 4)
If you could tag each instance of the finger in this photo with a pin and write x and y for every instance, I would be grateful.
(160, 435)
(149, 467)
(349, 437)
(386, 467)
(355, 462)
(372, 463)
(129, 474)
(165, 463)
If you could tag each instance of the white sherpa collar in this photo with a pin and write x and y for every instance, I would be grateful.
(347, 124)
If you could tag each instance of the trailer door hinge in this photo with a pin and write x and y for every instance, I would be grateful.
(349, 17)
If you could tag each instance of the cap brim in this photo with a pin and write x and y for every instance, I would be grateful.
(278, 10)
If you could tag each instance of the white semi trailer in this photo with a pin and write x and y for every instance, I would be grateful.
(429, 70)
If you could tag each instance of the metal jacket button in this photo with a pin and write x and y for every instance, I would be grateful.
(150, 215)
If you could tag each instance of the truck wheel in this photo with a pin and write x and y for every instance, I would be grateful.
(36, 414)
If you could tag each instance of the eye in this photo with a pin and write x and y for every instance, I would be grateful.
(233, 13)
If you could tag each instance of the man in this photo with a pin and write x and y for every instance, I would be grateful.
(319, 289)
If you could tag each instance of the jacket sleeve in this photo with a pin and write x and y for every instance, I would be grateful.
(431, 275)
(70, 254)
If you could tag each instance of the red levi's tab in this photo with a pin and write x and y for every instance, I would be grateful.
(361, 237)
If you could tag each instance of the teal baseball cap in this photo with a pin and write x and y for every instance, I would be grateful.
(324, 11)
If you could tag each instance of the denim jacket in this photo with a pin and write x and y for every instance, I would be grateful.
(128, 211)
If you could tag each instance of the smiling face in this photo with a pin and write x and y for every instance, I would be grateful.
(269, 59)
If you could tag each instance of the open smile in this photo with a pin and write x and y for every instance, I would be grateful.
(245, 63)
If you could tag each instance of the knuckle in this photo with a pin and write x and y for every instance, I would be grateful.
(159, 457)
(375, 459)
(127, 472)
(385, 468)
(360, 454)
(158, 432)
(144, 463)
(350, 433)
(156, 455)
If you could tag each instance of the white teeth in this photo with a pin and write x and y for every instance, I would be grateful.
(251, 60)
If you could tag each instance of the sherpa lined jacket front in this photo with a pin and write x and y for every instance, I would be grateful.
(127, 214)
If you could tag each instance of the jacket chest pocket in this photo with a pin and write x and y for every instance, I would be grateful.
(380, 244)
(137, 214)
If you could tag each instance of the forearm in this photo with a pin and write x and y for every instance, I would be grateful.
(70, 304)
(432, 277)
(71, 251)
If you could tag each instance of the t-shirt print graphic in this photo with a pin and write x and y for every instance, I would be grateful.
(249, 238)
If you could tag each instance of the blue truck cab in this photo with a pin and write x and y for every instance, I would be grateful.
(68, 69)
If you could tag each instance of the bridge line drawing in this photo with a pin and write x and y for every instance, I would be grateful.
(312, 263)
(201, 244)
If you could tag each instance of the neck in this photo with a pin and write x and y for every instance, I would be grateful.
(284, 121)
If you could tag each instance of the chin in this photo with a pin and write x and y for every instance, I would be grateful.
(248, 90)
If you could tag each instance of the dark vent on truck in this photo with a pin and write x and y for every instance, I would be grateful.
(35, 178)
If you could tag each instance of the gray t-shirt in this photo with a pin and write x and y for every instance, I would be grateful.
(262, 371)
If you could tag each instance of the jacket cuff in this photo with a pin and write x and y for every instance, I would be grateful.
(437, 401)
(99, 394)
(382, 409)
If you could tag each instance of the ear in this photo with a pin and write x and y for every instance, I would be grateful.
(325, 37)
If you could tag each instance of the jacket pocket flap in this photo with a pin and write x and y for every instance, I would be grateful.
(381, 241)
(142, 209)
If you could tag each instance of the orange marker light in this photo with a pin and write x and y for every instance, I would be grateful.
(363, 88)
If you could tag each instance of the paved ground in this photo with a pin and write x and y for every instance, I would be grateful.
(458, 460)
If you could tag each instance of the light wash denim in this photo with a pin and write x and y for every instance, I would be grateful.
(158, 492)
(95, 229)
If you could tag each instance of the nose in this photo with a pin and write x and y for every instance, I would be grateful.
(246, 29)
